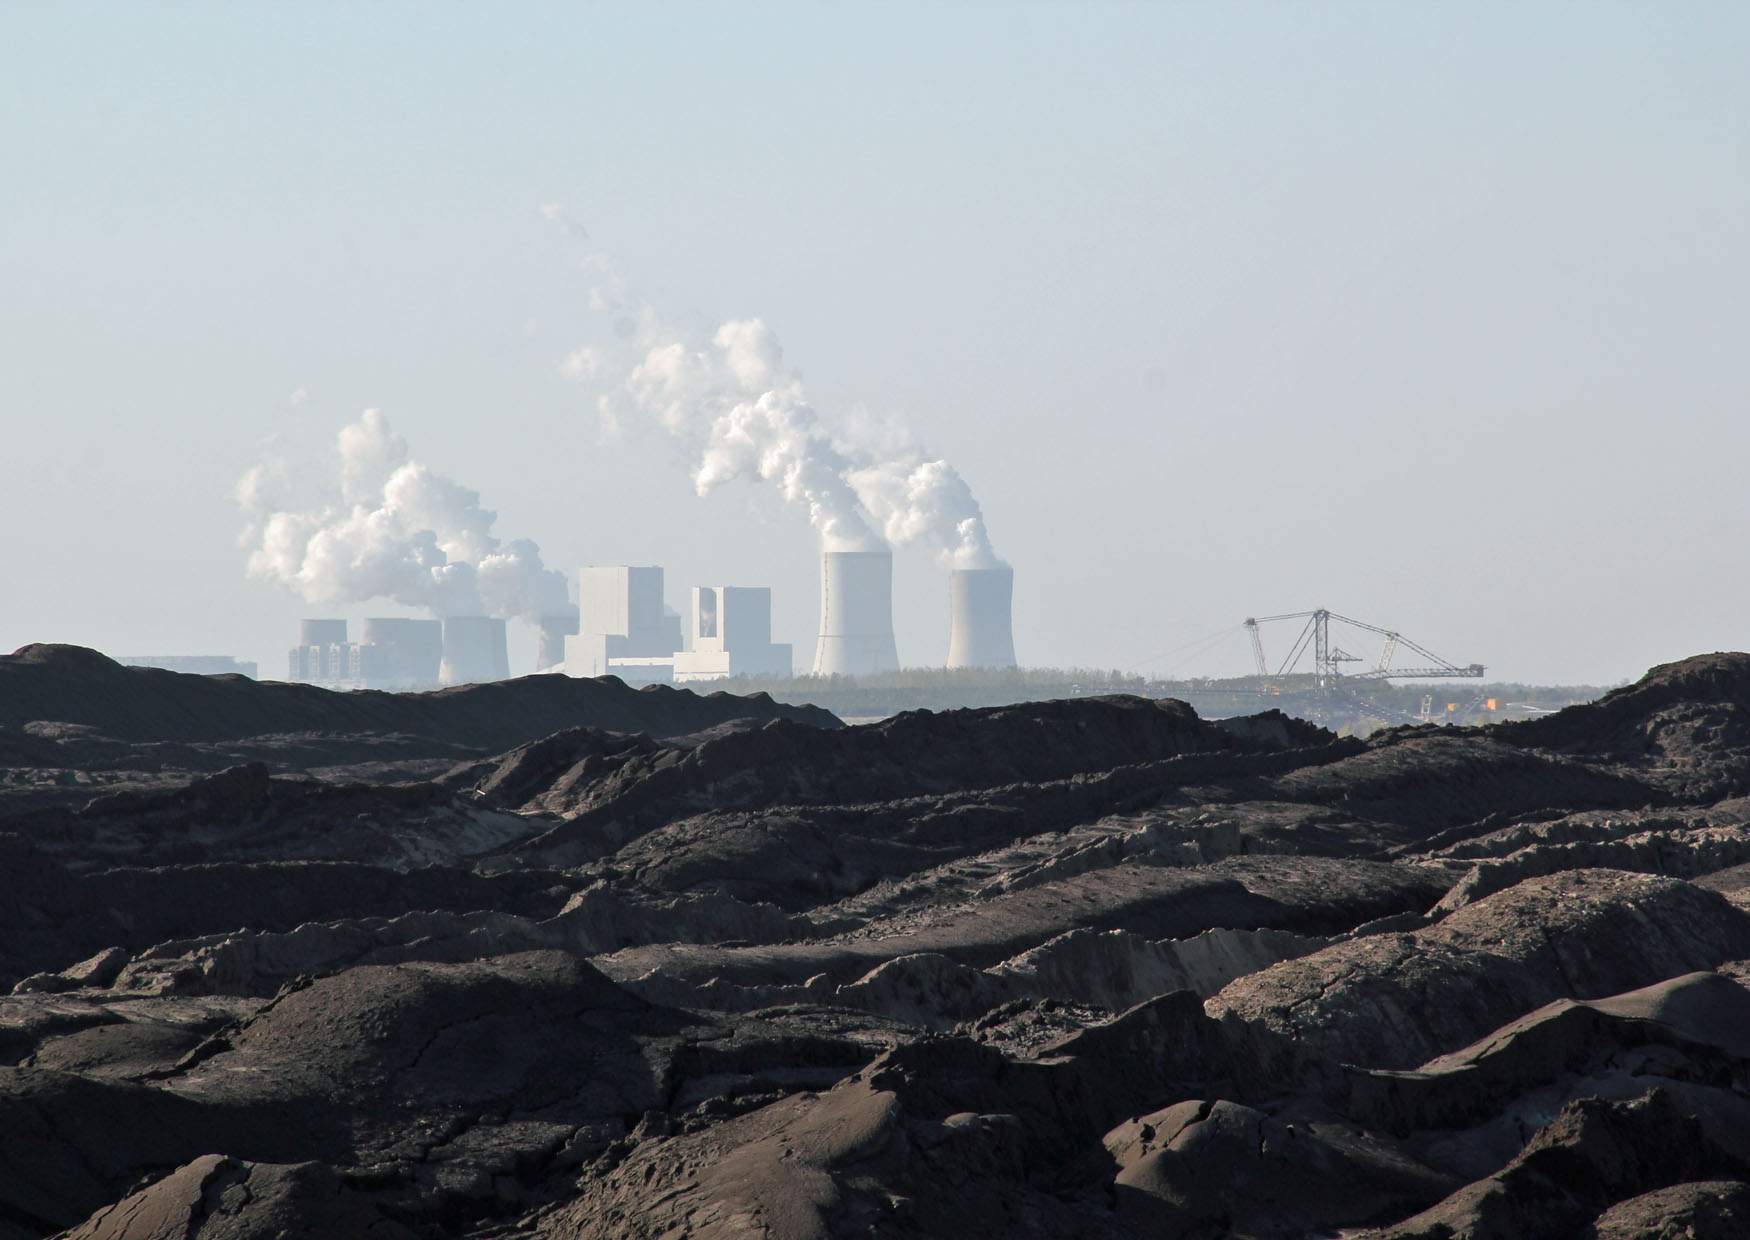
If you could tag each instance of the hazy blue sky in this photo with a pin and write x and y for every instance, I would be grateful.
(1431, 314)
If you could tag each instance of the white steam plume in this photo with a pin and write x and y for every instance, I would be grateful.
(919, 500)
(555, 211)
(391, 528)
(731, 400)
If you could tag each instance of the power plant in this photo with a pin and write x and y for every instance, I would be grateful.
(624, 629)
(474, 650)
(423, 540)
(550, 644)
(621, 626)
(856, 614)
(320, 655)
(980, 632)
(391, 653)
(731, 635)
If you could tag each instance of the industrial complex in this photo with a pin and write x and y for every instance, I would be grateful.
(621, 626)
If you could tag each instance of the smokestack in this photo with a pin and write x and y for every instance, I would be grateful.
(474, 651)
(980, 631)
(414, 648)
(856, 614)
(550, 643)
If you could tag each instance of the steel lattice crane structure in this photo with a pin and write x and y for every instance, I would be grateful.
(1328, 658)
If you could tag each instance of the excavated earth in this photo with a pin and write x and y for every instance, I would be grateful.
(562, 958)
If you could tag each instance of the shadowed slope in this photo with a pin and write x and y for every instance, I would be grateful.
(71, 684)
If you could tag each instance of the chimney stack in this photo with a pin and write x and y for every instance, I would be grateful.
(856, 614)
(980, 628)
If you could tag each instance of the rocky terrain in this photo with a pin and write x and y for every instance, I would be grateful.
(562, 958)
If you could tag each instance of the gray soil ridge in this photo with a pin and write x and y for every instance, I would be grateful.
(564, 958)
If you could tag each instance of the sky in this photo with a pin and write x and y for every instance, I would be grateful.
(1434, 314)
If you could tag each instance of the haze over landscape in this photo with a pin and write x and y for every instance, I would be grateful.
(1432, 315)
(1144, 598)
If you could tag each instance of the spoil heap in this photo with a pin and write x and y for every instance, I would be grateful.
(562, 958)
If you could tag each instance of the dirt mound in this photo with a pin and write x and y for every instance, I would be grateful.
(70, 684)
(563, 958)
(1703, 1210)
(1596, 1152)
(1692, 715)
(442, 1036)
(1099, 754)
(1208, 1168)
(1396, 1000)
(219, 1198)
(53, 917)
(919, 753)
(1429, 782)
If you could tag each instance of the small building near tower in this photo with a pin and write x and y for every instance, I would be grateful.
(731, 635)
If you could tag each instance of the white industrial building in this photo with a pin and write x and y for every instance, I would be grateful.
(730, 634)
(623, 628)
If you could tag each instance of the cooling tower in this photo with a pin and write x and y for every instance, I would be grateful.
(416, 648)
(980, 632)
(550, 642)
(856, 614)
(321, 632)
(474, 650)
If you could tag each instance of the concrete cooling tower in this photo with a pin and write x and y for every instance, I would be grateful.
(550, 641)
(403, 652)
(321, 632)
(474, 650)
(980, 631)
(856, 614)
(321, 650)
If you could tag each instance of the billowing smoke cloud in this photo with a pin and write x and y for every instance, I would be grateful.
(555, 212)
(746, 418)
(919, 500)
(730, 398)
(391, 528)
